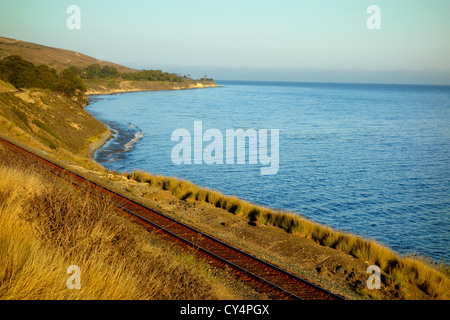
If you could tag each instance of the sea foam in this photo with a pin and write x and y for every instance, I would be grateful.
(137, 137)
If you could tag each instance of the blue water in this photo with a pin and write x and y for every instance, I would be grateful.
(373, 160)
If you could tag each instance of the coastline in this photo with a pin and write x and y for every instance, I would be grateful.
(94, 146)
(326, 254)
(62, 131)
(125, 87)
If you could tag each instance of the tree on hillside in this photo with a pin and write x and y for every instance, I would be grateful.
(69, 83)
(96, 71)
(108, 71)
(17, 71)
(46, 77)
(152, 75)
(24, 74)
(92, 71)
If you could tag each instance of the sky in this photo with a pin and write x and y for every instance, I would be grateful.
(283, 40)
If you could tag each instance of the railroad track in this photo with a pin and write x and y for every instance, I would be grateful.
(261, 275)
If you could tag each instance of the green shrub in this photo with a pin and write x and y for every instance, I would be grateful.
(24, 74)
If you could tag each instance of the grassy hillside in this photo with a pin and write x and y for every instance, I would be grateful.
(47, 225)
(61, 59)
(6, 87)
(56, 58)
(50, 122)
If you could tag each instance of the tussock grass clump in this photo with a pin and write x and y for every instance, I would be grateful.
(47, 225)
(399, 272)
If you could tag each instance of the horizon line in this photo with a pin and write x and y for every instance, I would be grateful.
(337, 82)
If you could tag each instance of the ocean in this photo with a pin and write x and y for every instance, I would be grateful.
(370, 159)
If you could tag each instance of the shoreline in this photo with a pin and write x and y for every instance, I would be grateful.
(95, 146)
(104, 91)
(108, 135)
(347, 255)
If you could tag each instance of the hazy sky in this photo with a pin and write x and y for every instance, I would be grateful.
(298, 40)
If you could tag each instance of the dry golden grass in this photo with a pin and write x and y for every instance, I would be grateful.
(59, 59)
(48, 225)
(49, 122)
(402, 273)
